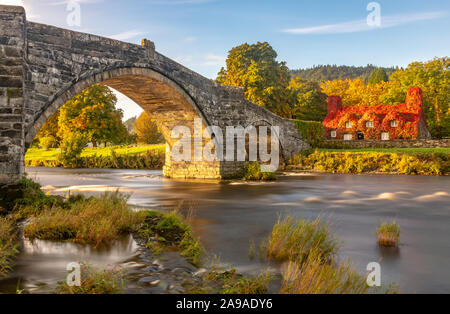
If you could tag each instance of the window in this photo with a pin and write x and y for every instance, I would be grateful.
(369, 124)
(348, 125)
(394, 124)
(333, 134)
(385, 136)
(348, 137)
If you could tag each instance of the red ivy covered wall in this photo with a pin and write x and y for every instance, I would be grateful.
(408, 116)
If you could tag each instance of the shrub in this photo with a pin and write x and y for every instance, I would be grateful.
(363, 162)
(312, 132)
(47, 142)
(293, 240)
(164, 231)
(388, 234)
(95, 282)
(252, 172)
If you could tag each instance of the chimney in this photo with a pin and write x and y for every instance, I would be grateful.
(334, 104)
(414, 99)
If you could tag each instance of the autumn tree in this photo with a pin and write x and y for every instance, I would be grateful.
(433, 77)
(48, 135)
(146, 130)
(255, 68)
(377, 76)
(308, 101)
(355, 92)
(93, 113)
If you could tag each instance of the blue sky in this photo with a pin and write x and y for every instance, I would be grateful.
(199, 33)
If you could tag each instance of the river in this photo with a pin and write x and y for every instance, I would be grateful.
(229, 217)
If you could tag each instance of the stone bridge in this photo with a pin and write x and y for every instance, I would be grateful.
(42, 67)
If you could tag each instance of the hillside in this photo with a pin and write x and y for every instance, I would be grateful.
(322, 73)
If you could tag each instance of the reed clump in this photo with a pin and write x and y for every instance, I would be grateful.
(388, 234)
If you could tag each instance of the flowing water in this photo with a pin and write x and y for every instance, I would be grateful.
(229, 217)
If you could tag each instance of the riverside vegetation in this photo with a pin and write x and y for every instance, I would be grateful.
(311, 251)
(356, 162)
(308, 247)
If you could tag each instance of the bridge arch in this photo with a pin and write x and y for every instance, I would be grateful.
(161, 97)
(156, 93)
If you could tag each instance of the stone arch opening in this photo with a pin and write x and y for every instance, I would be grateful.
(162, 98)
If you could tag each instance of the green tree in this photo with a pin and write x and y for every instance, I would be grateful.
(433, 77)
(93, 113)
(264, 79)
(377, 76)
(146, 130)
(308, 101)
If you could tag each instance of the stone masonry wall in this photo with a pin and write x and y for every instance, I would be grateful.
(388, 144)
(12, 42)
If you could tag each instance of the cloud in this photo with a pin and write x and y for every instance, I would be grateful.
(127, 35)
(212, 59)
(12, 2)
(190, 39)
(64, 2)
(20, 3)
(362, 26)
(174, 2)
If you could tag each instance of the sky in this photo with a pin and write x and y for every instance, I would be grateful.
(199, 33)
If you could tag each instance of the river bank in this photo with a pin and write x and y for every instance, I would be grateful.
(244, 213)
(409, 161)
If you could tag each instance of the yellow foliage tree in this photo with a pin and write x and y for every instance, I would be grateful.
(355, 92)
(146, 130)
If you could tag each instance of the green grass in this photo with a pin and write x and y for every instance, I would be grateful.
(52, 154)
(95, 281)
(388, 234)
(89, 221)
(409, 151)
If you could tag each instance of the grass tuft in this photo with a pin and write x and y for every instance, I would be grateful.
(294, 240)
(88, 221)
(8, 244)
(315, 277)
(388, 234)
(95, 282)
(165, 231)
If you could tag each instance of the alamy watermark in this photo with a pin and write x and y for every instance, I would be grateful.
(73, 278)
(74, 16)
(228, 145)
(374, 18)
(374, 276)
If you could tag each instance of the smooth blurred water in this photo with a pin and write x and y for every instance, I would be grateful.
(228, 217)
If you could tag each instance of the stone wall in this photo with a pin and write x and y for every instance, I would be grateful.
(12, 42)
(45, 66)
(387, 144)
